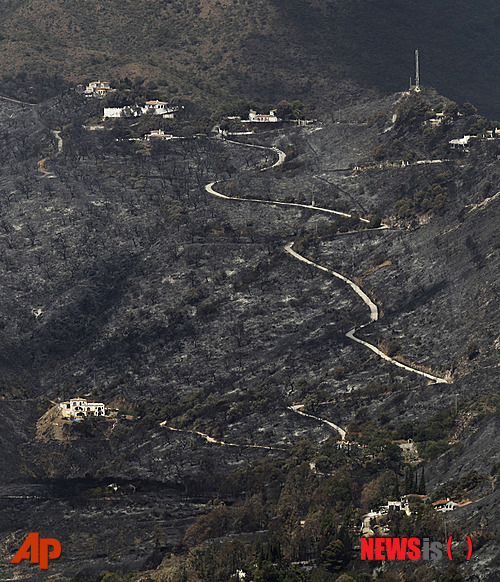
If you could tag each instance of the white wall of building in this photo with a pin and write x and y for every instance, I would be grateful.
(79, 408)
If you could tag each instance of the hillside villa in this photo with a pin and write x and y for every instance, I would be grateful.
(150, 107)
(254, 117)
(80, 408)
(158, 134)
(98, 89)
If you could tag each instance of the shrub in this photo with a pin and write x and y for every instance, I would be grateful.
(472, 350)
(208, 526)
(375, 221)
(42, 405)
(379, 153)
(403, 208)
(428, 450)
(323, 464)
(393, 348)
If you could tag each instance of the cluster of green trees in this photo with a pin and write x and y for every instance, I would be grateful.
(430, 436)
(32, 87)
(303, 507)
(303, 515)
(412, 112)
(462, 487)
(192, 118)
(292, 110)
(429, 200)
(415, 137)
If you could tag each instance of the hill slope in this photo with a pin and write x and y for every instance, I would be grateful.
(325, 51)
(124, 280)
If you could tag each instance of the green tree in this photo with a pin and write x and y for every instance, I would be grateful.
(421, 485)
(452, 574)
(284, 110)
(298, 109)
(468, 109)
(451, 110)
(334, 556)
(375, 221)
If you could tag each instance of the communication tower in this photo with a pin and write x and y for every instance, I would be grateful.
(417, 72)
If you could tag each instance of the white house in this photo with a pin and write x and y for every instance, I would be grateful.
(80, 407)
(444, 505)
(150, 107)
(399, 506)
(437, 120)
(254, 117)
(160, 108)
(97, 89)
(113, 111)
(158, 134)
(462, 142)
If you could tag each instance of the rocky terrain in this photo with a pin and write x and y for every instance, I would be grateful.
(325, 52)
(126, 282)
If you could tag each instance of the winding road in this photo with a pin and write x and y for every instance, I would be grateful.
(57, 135)
(279, 162)
(298, 409)
(3, 98)
(210, 439)
(374, 316)
(41, 163)
(210, 189)
(281, 154)
(374, 312)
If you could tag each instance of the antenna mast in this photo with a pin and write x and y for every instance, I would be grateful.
(417, 72)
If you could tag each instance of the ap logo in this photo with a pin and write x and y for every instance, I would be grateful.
(38, 550)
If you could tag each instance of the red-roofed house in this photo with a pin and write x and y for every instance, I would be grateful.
(444, 505)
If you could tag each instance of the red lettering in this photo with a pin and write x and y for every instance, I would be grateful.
(379, 548)
(28, 551)
(45, 555)
(396, 548)
(36, 550)
(367, 548)
(414, 552)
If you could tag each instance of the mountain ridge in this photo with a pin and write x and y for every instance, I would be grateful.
(327, 52)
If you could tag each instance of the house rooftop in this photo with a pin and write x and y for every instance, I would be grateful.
(442, 502)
